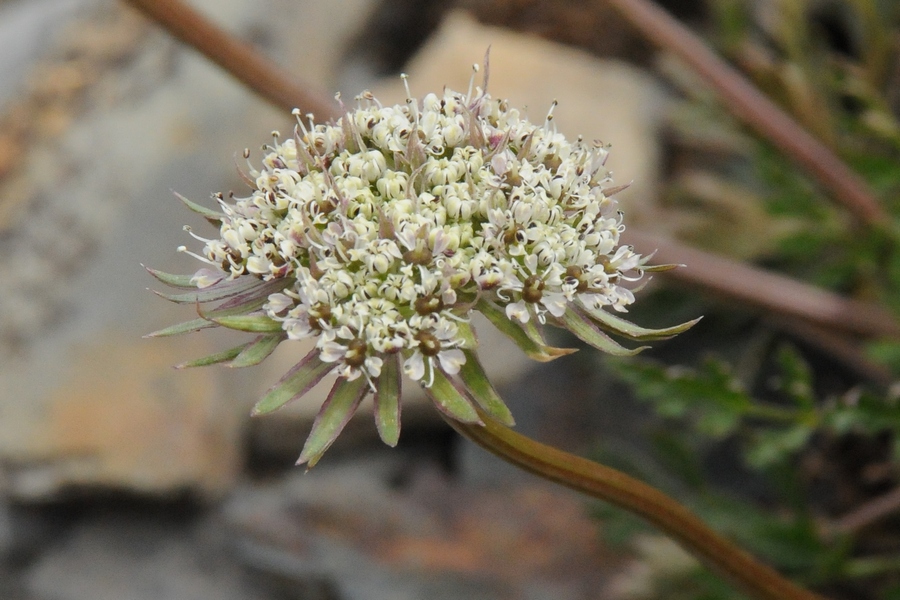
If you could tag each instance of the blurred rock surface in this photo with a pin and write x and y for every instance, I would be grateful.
(113, 117)
(391, 528)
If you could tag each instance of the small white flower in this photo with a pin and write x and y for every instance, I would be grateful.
(436, 340)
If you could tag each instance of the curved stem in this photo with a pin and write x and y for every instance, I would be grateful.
(240, 60)
(750, 105)
(604, 483)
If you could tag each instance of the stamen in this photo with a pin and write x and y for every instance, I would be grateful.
(197, 256)
(475, 69)
(549, 118)
(195, 236)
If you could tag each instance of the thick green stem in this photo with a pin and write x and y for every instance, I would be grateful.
(610, 485)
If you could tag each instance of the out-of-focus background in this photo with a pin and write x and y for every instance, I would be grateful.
(121, 478)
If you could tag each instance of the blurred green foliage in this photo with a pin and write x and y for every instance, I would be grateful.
(807, 436)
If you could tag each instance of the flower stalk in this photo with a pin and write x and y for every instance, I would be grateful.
(615, 487)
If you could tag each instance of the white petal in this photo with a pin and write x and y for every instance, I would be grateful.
(206, 277)
(451, 360)
(373, 366)
(499, 163)
(517, 310)
(331, 352)
(414, 366)
(297, 329)
(555, 303)
(258, 265)
(278, 303)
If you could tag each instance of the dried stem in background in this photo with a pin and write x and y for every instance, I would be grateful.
(869, 513)
(252, 69)
(770, 292)
(751, 106)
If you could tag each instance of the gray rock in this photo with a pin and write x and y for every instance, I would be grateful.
(84, 401)
(133, 557)
(25, 26)
(351, 527)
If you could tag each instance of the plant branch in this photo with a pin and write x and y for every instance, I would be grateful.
(768, 291)
(610, 485)
(754, 108)
(238, 59)
(869, 513)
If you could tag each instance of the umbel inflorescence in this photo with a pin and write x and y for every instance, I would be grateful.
(377, 235)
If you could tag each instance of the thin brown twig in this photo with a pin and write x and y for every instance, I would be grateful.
(869, 513)
(754, 108)
(768, 291)
(240, 60)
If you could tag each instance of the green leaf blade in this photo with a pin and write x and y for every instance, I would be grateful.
(589, 333)
(476, 381)
(534, 349)
(295, 383)
(387, 401)
(249, 323)
(178, 281)
(450, 400)
(620, 326)
(214, 359)
(210, 215)
(218, 291)
(257, 351)
(182, 328)
(336, 412)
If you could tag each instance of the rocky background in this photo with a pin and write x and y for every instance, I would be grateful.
(121, 478)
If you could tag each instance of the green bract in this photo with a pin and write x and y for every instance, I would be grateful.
(379, 234)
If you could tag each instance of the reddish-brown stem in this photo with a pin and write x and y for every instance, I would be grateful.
(238, 59)
(765, 290)
(610, 485)
(754, 108)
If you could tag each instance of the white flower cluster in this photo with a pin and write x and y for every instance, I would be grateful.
(395, 220)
